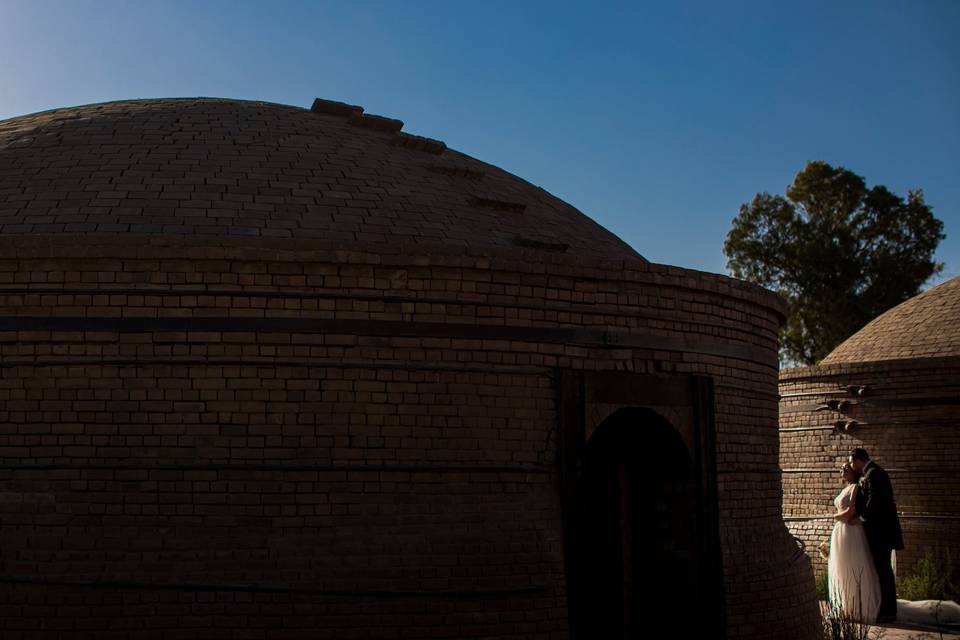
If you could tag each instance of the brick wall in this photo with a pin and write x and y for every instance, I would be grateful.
(199, 440)
(907, 421)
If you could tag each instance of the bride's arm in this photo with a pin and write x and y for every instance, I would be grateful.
(844, 514)
(849, 514)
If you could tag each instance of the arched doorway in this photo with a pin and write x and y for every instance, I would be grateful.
(640, 525)
(640, 505)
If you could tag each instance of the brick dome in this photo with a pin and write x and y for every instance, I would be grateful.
(269, 370)
(924, 326)
(213, 167)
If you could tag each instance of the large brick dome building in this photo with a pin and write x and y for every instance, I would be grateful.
(273, 370)
(892, 388)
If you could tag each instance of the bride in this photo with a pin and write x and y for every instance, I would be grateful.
(853, 583)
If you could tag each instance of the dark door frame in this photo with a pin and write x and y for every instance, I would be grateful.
(583, 393)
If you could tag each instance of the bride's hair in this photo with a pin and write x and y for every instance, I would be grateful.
(856, 474)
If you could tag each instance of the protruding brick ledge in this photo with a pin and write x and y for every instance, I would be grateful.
(334, 108)
(356, 116)
(840, 369)
(455, 171)
(419, 143)
(499, 205)
(134, 247)
(377, 123)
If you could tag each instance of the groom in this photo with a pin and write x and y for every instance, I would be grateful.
(880, 522)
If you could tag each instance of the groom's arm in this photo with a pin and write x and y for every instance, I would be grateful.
(854, 517)
(859, 503)
(880, 492)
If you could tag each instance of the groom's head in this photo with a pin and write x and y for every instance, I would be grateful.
(859, 459)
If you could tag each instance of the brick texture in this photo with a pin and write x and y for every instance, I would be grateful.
(903, 411)
(214, 435)
(924, 326)
(207, 167)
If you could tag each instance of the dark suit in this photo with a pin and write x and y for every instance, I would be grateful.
(876, 506)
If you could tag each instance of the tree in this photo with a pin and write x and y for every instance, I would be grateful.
(839, 252)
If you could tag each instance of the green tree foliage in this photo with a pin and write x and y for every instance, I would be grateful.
(839, 252)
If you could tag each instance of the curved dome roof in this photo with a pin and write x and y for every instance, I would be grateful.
(925, 326)
(214, 167)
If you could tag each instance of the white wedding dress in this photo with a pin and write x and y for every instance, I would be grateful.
(853, 584)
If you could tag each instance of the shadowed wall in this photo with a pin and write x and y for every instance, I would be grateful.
(270, 370)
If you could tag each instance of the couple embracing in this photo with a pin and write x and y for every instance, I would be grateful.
(867, 530)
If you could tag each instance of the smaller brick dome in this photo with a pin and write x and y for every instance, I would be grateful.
(924, 326)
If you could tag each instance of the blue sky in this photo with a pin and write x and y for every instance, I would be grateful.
(656, 119)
